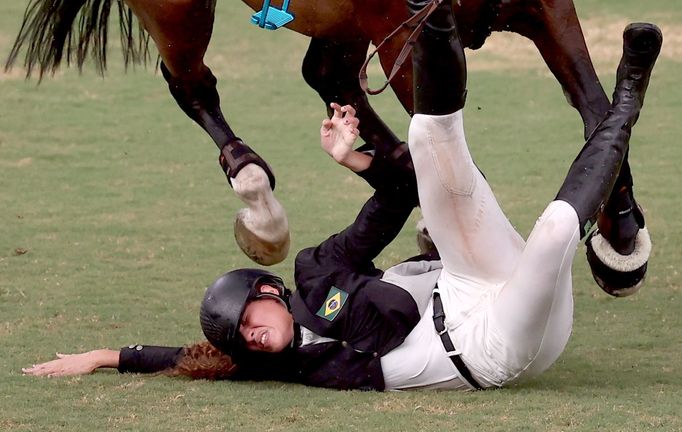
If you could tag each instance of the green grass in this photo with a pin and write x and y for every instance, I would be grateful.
(125, 216)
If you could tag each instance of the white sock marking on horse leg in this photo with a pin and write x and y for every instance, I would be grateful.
(264, 216)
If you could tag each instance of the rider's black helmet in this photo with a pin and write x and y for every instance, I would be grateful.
(225, 301)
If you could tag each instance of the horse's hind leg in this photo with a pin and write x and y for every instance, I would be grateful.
(557, 33)
(331, 68)
(620, 262)
(182, 30)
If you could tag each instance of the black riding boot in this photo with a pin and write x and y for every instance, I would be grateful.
(618, 251)
(593, 174)
(438, 62)
(622, 210)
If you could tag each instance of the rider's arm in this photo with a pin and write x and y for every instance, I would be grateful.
(355, 161)
(376, 225)
(391, 174)
(148, 358)
(134, 358)
(383, 216)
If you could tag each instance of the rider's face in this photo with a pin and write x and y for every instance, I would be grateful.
(266, 324)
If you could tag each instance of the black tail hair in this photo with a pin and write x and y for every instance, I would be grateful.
(53, 30)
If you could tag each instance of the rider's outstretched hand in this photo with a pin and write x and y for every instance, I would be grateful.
(338, 135)
(75, 364)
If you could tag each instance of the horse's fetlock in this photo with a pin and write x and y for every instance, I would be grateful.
(251, 182)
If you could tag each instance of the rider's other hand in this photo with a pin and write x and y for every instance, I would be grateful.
(338, 133)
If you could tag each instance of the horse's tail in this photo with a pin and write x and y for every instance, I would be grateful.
(54, 30)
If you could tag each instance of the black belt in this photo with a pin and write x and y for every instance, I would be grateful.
(439, 323)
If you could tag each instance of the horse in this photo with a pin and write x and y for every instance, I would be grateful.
(341, 32)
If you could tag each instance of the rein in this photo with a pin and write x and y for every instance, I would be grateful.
(415, 22)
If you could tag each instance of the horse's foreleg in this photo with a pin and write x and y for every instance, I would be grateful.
(559, 38)
(331, 68)
(182, 30)
(616, 252)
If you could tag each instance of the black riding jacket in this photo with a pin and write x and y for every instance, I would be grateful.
(339, 295)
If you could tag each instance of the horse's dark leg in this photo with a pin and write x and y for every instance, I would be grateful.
(197, 96)
(181, 30)
(557, 33)
(555, 30)
(331, 68)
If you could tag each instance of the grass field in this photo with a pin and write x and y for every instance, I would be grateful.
(114, 216)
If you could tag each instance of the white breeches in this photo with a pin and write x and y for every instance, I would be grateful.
(508, 303)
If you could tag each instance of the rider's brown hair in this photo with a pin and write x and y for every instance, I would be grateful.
(203, 361)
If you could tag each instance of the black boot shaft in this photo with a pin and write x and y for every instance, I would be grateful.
(641, 47)
(592, 175)
(438, 62)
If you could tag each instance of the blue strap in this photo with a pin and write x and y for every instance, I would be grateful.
(264, 13)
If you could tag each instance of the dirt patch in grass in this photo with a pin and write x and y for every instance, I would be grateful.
(509, 51)
(604, 39)
(14, 74)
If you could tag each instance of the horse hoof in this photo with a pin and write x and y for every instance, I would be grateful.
(262, 229)
(264, 252)
(618, 275)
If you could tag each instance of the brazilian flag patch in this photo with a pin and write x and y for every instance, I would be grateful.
(331, 307)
